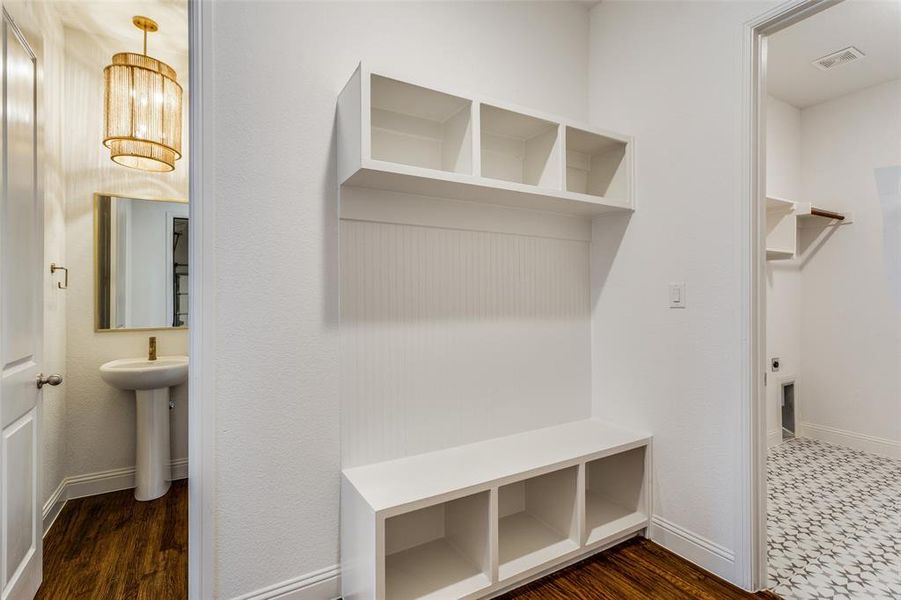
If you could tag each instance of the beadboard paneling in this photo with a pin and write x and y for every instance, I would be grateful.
(453, 336)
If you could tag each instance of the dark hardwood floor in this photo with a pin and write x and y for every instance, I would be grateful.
(637, 569)
(112, 547)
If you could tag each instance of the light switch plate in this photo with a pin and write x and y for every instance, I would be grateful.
(677, 295)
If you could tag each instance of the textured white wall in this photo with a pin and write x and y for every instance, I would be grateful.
(850, 322)
(100, 421)
(670, 73)
(783, 278)
(279, 68)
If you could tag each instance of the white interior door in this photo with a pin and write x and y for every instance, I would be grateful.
(21, 315)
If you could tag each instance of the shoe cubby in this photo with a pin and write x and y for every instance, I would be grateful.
(473, 520)
(442, 551)
(416, 126)
(596, 165)
(519, 148)
(538, 521)
(615, 495)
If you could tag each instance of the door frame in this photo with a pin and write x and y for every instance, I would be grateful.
(201, 303)
(751, 546)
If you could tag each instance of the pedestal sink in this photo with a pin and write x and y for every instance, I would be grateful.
(150, 380)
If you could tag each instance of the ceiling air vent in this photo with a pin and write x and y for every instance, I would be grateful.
(836, 59)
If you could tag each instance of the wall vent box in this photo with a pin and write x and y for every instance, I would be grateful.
(538, 521)
(615, 495)
(403, 136)
(838, 58)
(441, 551)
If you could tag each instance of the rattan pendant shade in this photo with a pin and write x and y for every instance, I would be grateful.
(142, 109)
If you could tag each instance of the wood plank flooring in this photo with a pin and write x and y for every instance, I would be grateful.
(637, 569)
(112, 547)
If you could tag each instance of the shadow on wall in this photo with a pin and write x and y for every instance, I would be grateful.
(330, 241)
(607, 236)
(812, 238)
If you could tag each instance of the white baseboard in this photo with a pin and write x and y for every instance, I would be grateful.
(693, 547)
(773, 438)
(323, 584)
(851, 439)
(54, 505)
(103, 482)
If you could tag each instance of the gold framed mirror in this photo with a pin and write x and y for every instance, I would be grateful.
(140, 263)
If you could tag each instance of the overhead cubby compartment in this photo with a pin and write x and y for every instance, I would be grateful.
(615, 495)
(415, 126)
(401, 136)
(519, 148)
(597, 165)
(442, 551)
(538, 521)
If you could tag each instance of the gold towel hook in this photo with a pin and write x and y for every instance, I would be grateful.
(54, 268)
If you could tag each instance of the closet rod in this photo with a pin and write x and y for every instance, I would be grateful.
(819, 212)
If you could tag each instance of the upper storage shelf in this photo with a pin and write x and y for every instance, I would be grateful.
(399, 136)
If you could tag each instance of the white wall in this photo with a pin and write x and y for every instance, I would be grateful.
(783, 279)
(279, 68)
(100, 423)
(850, 322)
(671, 73)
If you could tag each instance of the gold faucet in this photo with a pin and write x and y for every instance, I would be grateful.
(151, 351)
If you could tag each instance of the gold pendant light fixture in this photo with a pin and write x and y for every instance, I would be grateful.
(142, 109)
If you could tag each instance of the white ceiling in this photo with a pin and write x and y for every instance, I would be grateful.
(111, 20)
(872, 26)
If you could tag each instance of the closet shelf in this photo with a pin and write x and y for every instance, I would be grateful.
(776, 203)
(808, 214)
(783, 217)
(404, 137)
(774, 254)
(390, 485)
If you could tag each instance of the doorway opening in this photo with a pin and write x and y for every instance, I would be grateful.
(825, 169)
(96, 183)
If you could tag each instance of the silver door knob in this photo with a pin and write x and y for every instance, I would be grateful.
(49, 379)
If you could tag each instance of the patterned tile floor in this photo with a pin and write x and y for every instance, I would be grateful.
(833, 523)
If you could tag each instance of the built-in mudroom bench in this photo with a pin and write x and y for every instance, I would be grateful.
(470, 521)
(470, 462)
